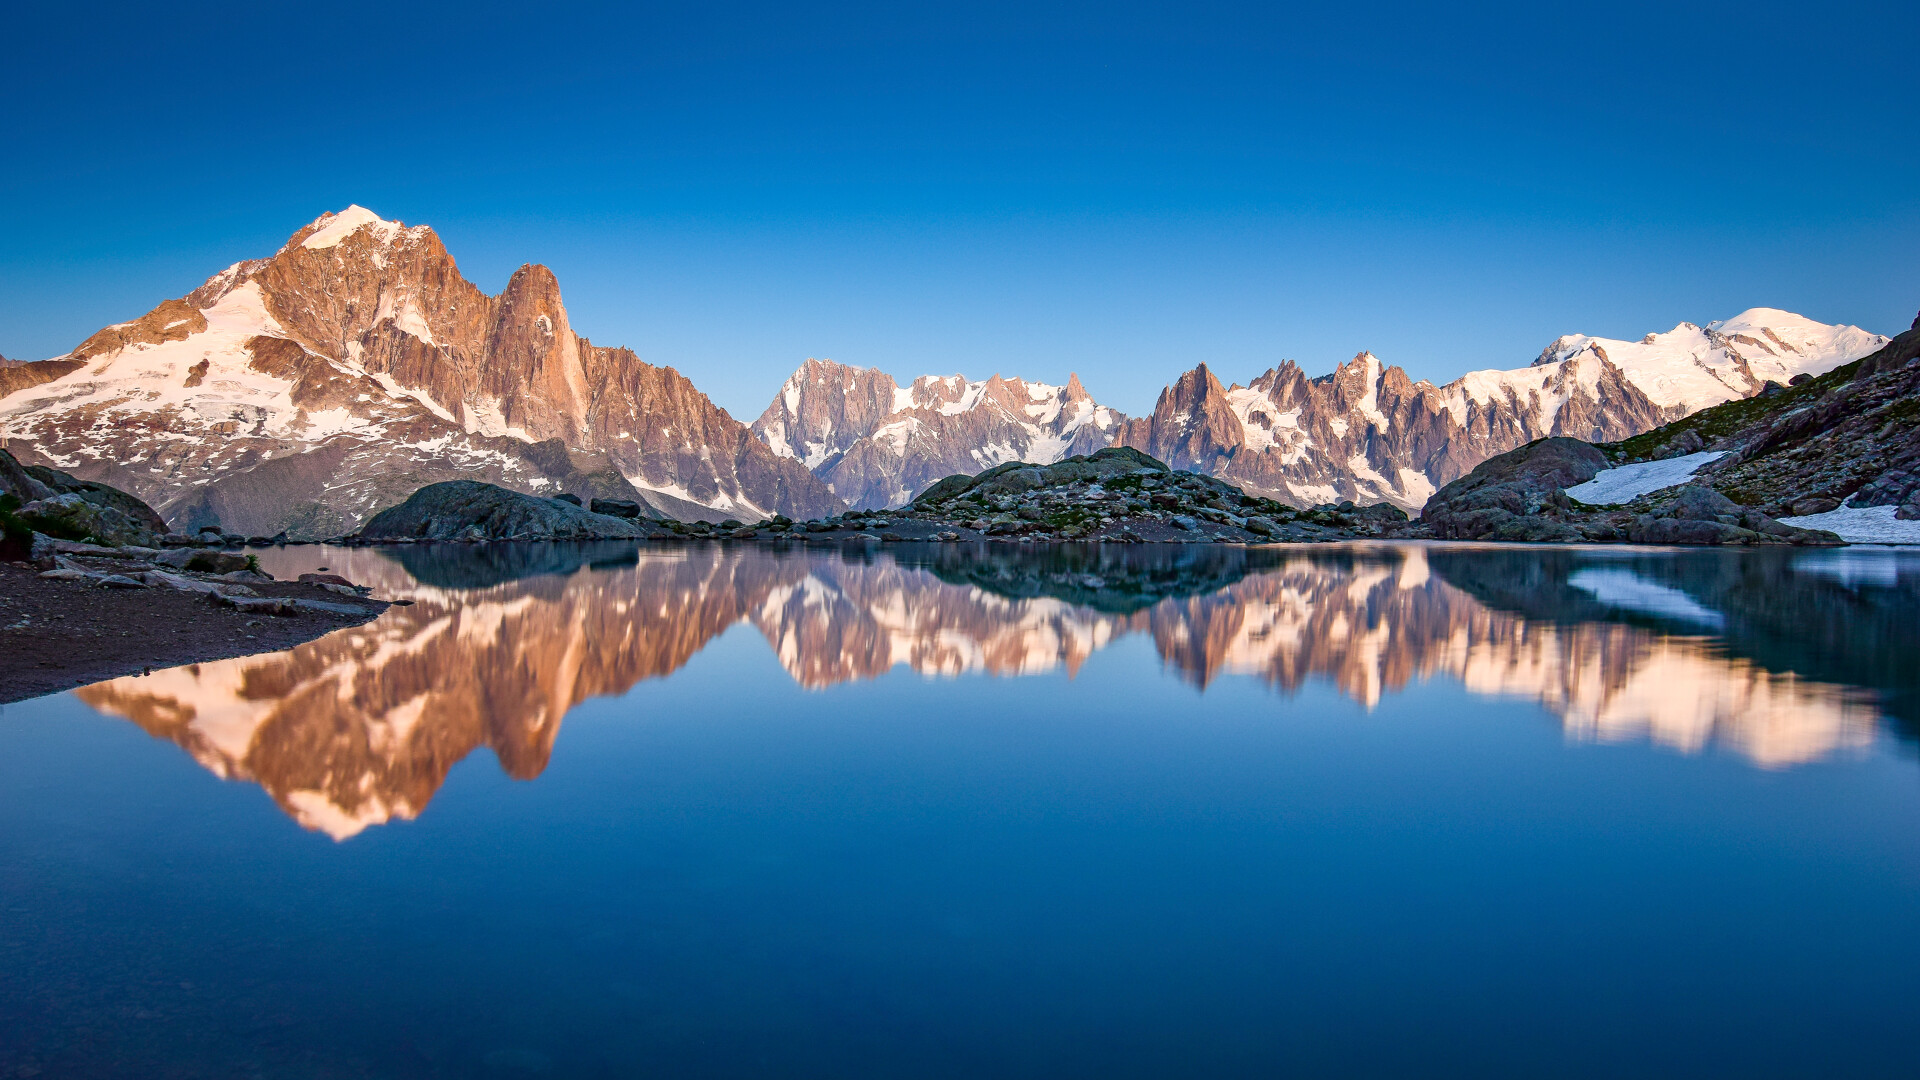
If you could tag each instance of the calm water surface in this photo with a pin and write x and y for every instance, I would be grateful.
(726, 811)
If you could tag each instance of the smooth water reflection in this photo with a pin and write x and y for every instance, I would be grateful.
(961, 811)
(1782, 659)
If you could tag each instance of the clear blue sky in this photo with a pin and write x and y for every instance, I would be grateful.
(1116, 189)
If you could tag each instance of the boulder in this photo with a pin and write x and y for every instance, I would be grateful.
(1016, 477)
(213, 562)
(473, 511)
(74, 517)
(1701, 515)
(621, 508)
(17, 482)
(101, 495)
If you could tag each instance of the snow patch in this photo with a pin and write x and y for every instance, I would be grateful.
(1629, 482)
(1862, 525)
(349, 221)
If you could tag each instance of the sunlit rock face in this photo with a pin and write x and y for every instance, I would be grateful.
(310, 389)
(362, 726)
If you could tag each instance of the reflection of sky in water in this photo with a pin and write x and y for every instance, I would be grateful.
(1628, 591)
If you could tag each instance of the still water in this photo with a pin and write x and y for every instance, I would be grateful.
(956, 811)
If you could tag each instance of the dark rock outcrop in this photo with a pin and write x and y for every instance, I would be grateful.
(469, 510)
(57, 504)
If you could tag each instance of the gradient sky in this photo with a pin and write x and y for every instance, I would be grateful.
(1119, 190)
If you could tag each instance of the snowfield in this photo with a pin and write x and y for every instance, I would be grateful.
(1862, 525)
(1629, 482)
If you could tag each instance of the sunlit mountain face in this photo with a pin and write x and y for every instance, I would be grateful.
(1779, 659)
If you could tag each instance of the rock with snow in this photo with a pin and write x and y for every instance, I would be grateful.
(1524, 495)
(876, 443)
(1862, 524)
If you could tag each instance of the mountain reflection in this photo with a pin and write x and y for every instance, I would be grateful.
(1782, 658)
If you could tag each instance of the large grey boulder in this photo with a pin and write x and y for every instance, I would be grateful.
(17, 482)
(470, 510)
(74, 517)
(54, 499)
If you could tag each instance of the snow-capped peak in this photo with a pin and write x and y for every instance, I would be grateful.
(1693, 367)
(330, 229)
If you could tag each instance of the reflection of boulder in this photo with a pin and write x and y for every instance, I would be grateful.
(478, 566)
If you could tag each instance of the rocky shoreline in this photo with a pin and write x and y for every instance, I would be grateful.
(100, 613)
(96, 588)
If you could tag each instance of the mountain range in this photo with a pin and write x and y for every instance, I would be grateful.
(306, 391)
(1369, 433)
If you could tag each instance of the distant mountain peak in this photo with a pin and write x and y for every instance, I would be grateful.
(877, 443)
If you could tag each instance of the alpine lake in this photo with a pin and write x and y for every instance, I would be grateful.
(972, 810)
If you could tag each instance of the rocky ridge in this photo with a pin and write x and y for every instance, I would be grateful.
(1115, 495)
(876, 443)
(1801, 463)
(306, 391)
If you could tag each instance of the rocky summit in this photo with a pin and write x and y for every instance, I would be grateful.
(305, 391)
